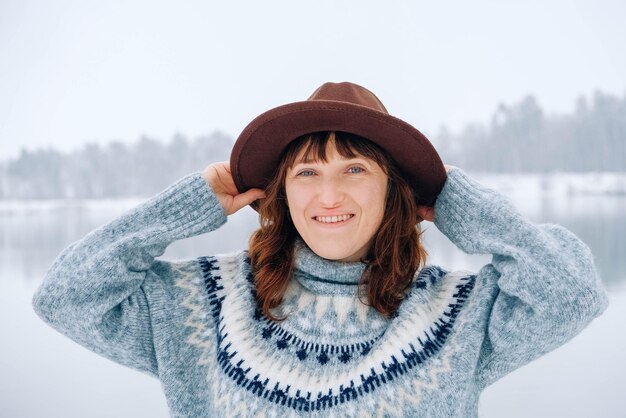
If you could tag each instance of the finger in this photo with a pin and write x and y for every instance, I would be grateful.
(425, 213)
(246, 198)
(255, 194)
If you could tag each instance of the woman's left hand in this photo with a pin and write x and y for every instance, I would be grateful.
(427, 213)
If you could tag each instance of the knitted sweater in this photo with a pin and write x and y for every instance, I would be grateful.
(194, 324)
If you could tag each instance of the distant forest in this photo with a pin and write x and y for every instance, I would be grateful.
(520, 138)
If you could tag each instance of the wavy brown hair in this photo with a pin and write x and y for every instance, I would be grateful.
(396, 252)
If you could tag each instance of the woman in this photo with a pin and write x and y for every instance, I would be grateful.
(332, 310)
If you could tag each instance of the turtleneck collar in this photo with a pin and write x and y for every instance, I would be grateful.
(323, 276)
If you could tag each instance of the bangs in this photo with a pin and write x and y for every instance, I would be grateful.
(348, 146)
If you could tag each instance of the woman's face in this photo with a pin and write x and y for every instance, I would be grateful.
(337, 206)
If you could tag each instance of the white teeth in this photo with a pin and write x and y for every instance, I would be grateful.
(331, 219)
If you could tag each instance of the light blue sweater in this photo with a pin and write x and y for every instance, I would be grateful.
(194, 323)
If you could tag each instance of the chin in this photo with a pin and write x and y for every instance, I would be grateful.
(332, 253)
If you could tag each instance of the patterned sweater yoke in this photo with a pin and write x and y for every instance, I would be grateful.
(195, 324)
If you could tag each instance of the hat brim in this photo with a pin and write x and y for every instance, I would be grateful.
(255, 155)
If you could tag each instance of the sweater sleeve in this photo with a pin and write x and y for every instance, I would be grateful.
(546, 286)
(96, 291)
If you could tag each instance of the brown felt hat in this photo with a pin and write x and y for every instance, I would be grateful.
(345, 107)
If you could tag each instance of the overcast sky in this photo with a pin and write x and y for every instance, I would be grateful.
(79, 71)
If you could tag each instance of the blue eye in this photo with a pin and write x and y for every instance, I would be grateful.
(358, 168)
(304, 171)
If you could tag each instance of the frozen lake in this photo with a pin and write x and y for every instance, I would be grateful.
(43, 373)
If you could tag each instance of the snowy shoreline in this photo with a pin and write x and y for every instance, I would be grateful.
(562, 184)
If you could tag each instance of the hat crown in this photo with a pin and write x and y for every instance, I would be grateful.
(350, 93)
(344, 107)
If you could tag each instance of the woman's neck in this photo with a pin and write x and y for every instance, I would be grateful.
(323, 276)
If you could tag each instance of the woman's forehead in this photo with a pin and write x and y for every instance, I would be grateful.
(313, 153)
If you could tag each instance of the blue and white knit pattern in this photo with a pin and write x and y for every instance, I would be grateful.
(194, 324)
(302, 364)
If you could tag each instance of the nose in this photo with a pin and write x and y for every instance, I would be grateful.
(330, 193)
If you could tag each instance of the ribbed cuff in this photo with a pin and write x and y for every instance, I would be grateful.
(466, 211)
(189, 205)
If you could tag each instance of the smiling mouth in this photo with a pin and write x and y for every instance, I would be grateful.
(333, 219)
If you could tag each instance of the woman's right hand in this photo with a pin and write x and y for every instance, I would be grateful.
(219, 177)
